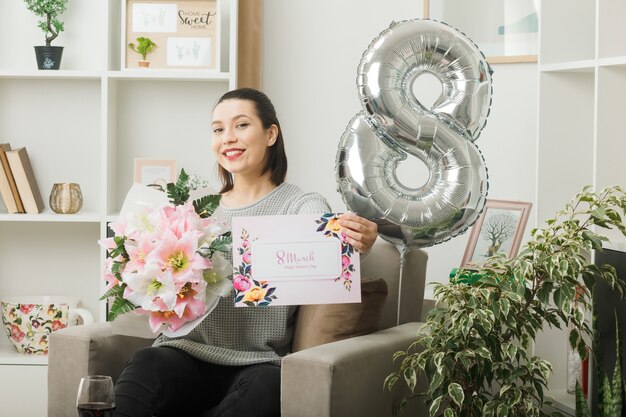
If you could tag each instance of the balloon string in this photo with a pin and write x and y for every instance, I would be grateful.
(404, 250)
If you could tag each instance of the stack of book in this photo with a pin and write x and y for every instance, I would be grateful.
(18, 186)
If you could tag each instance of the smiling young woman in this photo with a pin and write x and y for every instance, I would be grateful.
(229, 364)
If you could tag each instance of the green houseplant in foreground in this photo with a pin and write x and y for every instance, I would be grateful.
(48, 56)
(143, 47)
(473, 349)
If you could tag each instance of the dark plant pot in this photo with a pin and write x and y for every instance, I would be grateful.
(48, 57)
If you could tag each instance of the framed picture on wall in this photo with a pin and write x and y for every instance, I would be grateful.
(499, 229)
(155, 172)
(506, 31)
(186, 33)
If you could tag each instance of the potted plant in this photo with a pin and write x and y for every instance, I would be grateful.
(144, 47)
(474, 350)
(48, 56)
(610, 388)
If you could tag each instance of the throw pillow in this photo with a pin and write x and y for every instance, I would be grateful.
(323, 323)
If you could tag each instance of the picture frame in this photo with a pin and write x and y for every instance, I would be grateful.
(506, 31)
(186, 32)
(499, 229)
(154, 172)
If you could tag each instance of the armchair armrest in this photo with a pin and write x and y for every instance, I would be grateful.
(345, 378)
(84, 350)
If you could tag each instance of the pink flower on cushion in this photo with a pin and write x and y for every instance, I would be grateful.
(245, 243)
(241, 283)
(345, 261)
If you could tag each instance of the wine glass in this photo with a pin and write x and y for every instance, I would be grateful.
(96, 397)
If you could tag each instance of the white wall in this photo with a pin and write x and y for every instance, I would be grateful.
(311, 52)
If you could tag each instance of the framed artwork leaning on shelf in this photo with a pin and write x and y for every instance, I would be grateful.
(186, 33)
(155, 172)
(506, 31)
(499, 229)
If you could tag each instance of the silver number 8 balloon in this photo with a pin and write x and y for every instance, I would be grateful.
(393, 123)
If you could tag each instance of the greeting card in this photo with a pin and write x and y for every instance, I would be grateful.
(293, 260)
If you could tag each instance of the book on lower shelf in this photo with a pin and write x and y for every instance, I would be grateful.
(8, 188)
(25, 180)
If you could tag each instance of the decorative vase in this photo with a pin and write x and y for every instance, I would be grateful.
(66, 198)
(48, 57)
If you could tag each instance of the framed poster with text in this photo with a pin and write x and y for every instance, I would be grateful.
(186, 33)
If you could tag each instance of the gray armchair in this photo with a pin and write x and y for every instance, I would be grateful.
(339, 379)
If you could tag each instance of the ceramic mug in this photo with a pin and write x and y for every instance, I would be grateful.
(29, 320)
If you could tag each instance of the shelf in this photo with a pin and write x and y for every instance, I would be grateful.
(49, 216)
(9, 356)
(153, 74)
(50, 74)
(587, 65)
(612, 62)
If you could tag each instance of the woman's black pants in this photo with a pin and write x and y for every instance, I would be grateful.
(163, 381)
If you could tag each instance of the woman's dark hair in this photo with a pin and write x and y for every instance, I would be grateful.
(276, 161)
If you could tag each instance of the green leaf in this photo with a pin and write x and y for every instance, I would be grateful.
(559, 298)
(449, 413)
(544, 292)
(435, 382)
(178, 193)
(115, 291)
(205, 206)
(511, 351)
(505, 305)
(222, 243)
(120, 306)
(434, 407)
(574, 337)
(410, 377)
(582, 409)
(596, 242)
(502, 410)
(483, 352)
(456, 393)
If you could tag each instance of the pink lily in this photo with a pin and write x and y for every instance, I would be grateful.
(180, 257)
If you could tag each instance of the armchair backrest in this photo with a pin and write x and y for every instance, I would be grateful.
(383, 261)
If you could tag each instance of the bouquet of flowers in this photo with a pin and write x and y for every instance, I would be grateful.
(161, 261)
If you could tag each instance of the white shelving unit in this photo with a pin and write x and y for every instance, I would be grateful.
(582, 83)
(86, 123)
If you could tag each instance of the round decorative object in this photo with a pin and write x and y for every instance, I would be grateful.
(66, 198)
(394, 125)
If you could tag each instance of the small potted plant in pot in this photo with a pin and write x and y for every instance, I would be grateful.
(143, 47)
(48, 56)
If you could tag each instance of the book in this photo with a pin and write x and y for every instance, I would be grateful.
(8, 188)
(25, 180)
